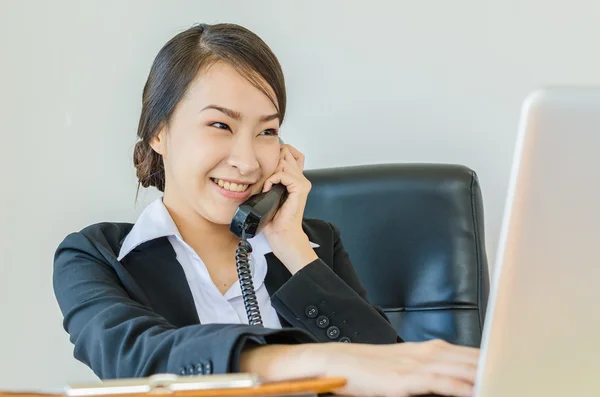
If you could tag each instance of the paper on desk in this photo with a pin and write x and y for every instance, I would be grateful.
(6, 390)
(23, 390)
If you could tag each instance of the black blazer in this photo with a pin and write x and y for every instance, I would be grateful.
(128, 319)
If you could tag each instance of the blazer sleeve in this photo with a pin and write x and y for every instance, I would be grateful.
(331, 302)
(118, 337)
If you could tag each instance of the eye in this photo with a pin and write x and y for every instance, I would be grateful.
(270, 132)
(221, 126)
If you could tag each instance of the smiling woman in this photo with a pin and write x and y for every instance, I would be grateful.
(162, 295)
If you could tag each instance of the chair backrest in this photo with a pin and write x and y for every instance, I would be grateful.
(415, 235)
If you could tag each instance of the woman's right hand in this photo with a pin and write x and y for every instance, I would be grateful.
(404, 369)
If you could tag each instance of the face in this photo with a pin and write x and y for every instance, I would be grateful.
(220, 145)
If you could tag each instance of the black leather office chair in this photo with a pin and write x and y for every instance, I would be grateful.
(415, 235)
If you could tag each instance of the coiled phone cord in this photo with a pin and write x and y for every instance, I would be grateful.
(242, 255)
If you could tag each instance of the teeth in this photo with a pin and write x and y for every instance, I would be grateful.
(234, 187)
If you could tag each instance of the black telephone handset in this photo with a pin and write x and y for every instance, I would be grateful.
(248, 221)
(253, 214)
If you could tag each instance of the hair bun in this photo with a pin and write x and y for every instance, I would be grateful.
(138, 153)
(149, 166)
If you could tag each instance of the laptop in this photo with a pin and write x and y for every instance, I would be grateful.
(542, 332)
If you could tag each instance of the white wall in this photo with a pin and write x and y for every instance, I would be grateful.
(369, 82)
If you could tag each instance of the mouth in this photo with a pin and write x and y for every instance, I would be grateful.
(236, 191)
(231, 186)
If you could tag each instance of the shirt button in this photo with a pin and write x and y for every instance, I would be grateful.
(333, 332)
(199, 369)
(311, 311)
(344, 339)
(208, 368)
(322, 322)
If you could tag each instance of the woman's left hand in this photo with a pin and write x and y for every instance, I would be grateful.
(285, 235)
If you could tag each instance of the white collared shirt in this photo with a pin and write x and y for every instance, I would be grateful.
(212, 306)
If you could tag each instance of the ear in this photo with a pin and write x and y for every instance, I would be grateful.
(159, 142)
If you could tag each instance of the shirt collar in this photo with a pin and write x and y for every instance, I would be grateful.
(155, 222)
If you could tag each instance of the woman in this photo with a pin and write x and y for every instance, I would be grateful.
(163, 295)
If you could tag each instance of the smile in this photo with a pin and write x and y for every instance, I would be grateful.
(231, 186)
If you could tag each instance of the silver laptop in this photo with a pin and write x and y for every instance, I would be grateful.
(542, 333)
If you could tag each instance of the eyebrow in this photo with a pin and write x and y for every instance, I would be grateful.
(237, 115)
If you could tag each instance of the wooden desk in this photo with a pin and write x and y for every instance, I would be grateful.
(286, 388)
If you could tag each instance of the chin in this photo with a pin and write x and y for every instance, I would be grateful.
(218, 217)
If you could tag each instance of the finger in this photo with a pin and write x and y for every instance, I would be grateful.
(288, 164)
(272, 180)
(279, 177)
(297, 155)
(280, 164)
(291, 160)
(268, 184)
(462, 371)
(460, 354)
(291, 181)
(285, 165)
(441, 350)
(436, 384)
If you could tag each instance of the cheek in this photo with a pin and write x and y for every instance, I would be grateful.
(269, 162)
(191, 158)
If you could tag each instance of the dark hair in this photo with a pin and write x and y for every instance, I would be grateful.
(175, 67)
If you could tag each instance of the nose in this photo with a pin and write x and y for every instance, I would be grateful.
(243, 155)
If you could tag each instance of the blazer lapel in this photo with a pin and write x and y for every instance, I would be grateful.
(277, 275)
(155, 268)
